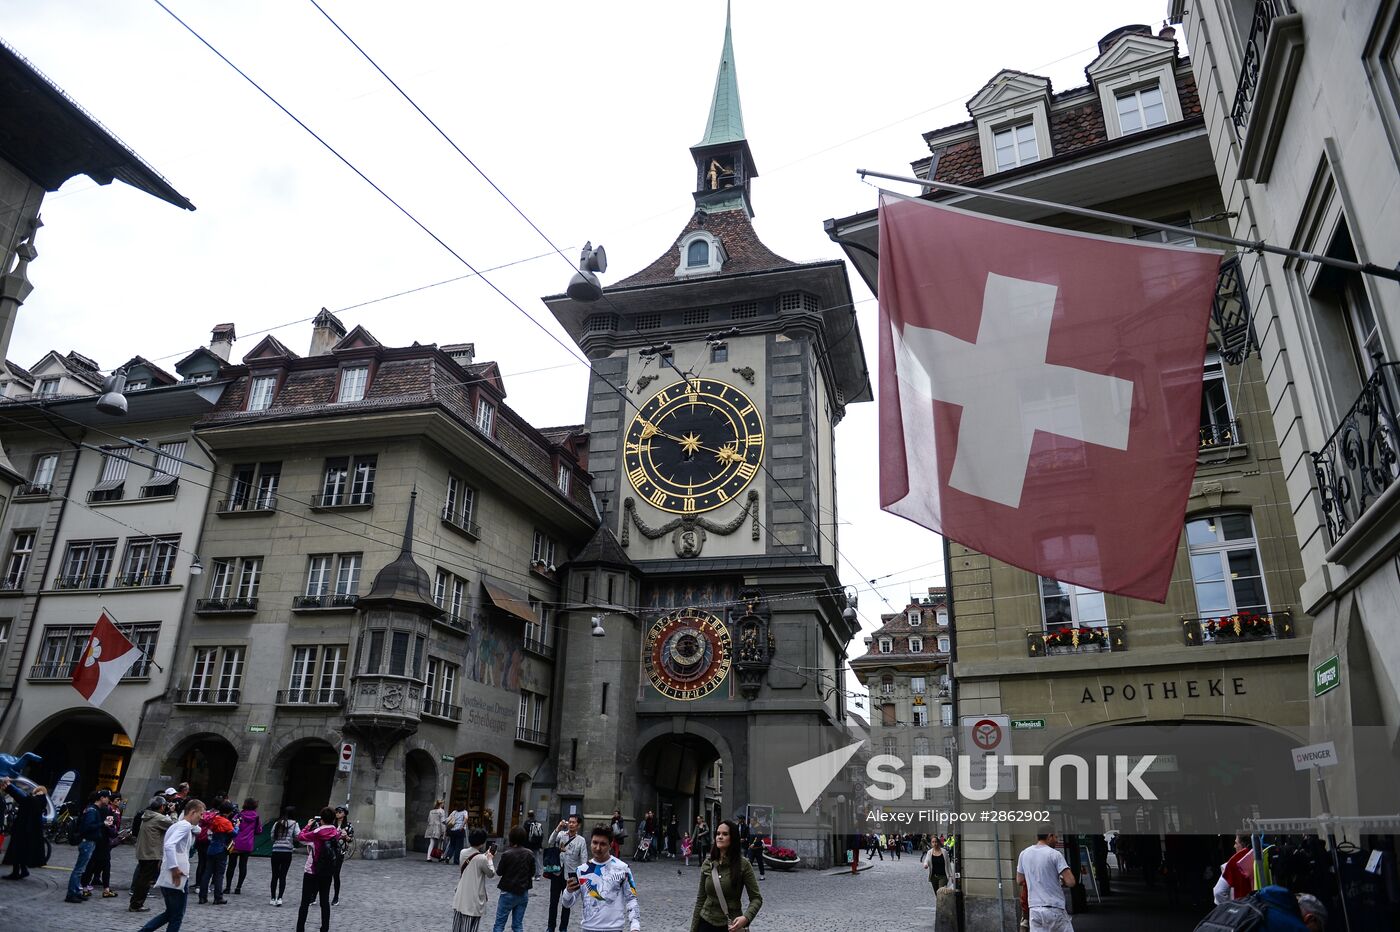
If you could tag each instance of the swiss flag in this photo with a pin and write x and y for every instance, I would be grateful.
(105, 660)
(1040, 391)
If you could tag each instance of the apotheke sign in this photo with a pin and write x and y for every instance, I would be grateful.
(1153, 690)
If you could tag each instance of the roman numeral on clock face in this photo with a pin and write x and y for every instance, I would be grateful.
(638, 476)
(657, 498)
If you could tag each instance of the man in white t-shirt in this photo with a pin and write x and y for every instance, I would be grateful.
(1042, 870)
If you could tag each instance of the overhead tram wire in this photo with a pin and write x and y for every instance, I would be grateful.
(816, 524)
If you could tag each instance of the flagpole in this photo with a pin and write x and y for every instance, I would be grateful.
(1364, 268)
(149, 659)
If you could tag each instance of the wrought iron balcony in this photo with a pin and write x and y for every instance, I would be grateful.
(33, 490)
(539, 646)
(327, 697)
(226, 606)
(252, 505)
(329, 500)
(1362, 457)
(453, 620)
(80, 582)
(1237, 629)
(325, 603)
(137, 580)
(222, 697)
(1100, 639)
(437, 709)
(12, 583)
(1265, 11)
(461, 523)
(1221, 434)
(532, 736)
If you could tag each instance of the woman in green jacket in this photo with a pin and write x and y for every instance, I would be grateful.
(735, 876)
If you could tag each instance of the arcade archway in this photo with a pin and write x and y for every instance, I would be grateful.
(308, 772)
(681, 777)
(88, 741)
(206, 762)
(420, 789)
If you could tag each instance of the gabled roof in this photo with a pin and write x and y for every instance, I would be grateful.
(200, 353)
(1008, 85)
(269, 347)
(158, 375)
(19, 373)
(602, 549)
(359, 338)
(561, 434)
(74, 364)
(48, 137)
(734, 230)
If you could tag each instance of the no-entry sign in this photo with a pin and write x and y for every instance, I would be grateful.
(347, 757)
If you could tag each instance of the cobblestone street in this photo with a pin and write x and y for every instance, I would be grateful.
(411, 895)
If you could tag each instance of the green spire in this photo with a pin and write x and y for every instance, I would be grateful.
(726, 123)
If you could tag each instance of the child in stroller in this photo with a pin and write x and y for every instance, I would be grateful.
(646, 849)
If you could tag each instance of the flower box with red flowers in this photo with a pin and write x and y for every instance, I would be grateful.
(780, 858)
(1240, 627)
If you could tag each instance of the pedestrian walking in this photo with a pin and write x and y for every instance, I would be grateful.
(90, 829)
(673, 838)
(26, 829)
(724, 878)
(221, 832)
(605, 887)
(174, 872)
(517, 873)
(619, 830)
(456, 834)
(756, 849)
(534, 840)
(1042, 870)
(150, 842)
(572, 853)
(284, 833)
(936, 867)
(247, 826)
(469, 903)
(321, 838)
(700, 838)
(436, 831)
(346, 839)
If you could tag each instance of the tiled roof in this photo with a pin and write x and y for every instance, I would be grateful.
(407, 378)
(561, 434)
(960, 163)
(19, 371)
(603, 548)
(896, 627)
(746, 253)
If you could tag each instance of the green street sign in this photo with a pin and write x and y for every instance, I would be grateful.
(257, 729)
(1027, 724)
(1327, 676)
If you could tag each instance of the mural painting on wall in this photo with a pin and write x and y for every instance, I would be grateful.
(713, 594)
(495, 655)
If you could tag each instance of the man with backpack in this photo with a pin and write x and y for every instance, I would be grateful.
(534, 840)
(1272, 909)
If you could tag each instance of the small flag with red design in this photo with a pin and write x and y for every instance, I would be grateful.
(105, 660)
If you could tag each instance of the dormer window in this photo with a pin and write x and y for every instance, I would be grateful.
(916, 645)
(48, 388)
(138, 385)
(1141, 108)
(916, 618)
(886, 646)
(353, 380)
(260, 394)
(1016, 146)
(701, 254)
(485, 416)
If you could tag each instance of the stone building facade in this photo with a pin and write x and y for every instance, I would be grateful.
(1058, 660)
(1301, 102)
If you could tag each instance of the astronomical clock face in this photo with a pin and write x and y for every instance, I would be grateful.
(687, 654)
(694, 446)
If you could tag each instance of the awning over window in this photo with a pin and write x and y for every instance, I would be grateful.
(108, 485)
(508, 600)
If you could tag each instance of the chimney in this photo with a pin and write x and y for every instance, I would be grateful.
(463, 354)
(326, 331)
(1167, 32)
(221, 340)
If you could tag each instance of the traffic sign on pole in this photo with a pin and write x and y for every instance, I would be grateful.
(347, 757)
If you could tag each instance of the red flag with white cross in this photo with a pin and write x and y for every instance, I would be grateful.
(106, 658)
(1040, 391)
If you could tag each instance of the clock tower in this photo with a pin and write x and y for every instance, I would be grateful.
(720, 372)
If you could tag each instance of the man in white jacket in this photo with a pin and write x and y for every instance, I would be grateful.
(175, 869)
(605, 886)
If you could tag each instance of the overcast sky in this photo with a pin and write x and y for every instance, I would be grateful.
(583, 113)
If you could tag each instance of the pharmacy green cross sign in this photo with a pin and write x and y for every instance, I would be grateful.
(1327, 676)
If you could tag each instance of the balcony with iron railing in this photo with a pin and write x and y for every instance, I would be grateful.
(317, 697)
(226, 606)
(226, 698)
(540, 647)
(12, 585)
(141, 580)
(1090, 639)
(81, 582)
(461, 523)
(252, 505)
(330, 602)
(33, 490)
(342, 501)
(1272, 57)
(456, 621)
(436, 708)
(1239, 628)
(534, 736)
(1362, 457)
(1220, 434)
(63, 671)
